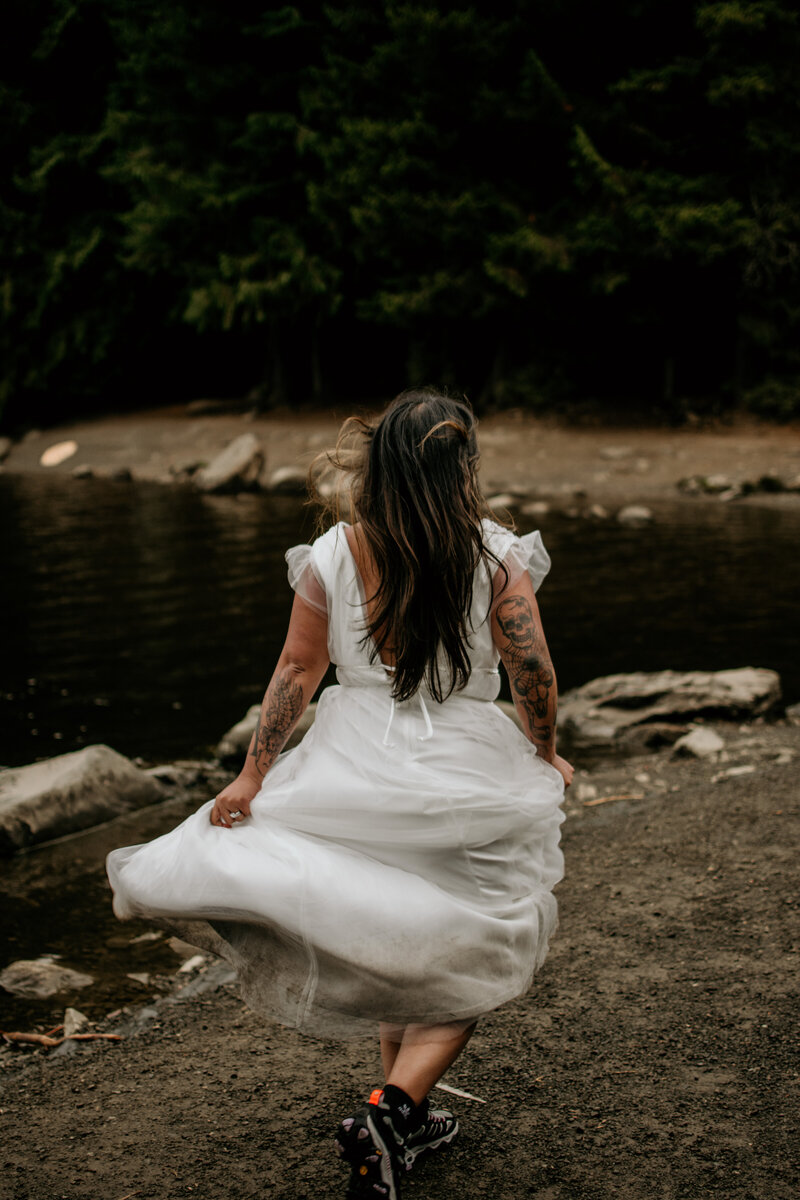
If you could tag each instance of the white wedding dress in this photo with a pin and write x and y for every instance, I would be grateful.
(398, 864)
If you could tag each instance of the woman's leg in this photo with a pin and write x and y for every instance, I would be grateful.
(417, 1064)
(391, 1040)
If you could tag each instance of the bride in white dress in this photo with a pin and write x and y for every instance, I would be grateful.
(394, 872)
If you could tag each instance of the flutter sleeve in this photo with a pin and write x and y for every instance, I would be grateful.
(527, 553)
(304, 578)
(517, 555)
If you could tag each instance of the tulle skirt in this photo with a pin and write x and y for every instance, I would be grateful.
(399, 876)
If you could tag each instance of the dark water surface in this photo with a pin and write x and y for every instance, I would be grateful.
(150, 618)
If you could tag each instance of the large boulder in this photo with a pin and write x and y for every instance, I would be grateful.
(644, 708)
(70, 792)
(235, 743)
(235, 469)
(38, 978)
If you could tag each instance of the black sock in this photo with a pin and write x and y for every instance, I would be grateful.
(404, 1110)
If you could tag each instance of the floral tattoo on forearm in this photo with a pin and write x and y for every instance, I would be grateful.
(530, 670)
(283, 706)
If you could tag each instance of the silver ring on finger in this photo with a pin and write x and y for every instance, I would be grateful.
(235, 814)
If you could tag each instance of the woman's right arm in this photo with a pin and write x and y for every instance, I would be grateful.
(519, 637)
(298, 673)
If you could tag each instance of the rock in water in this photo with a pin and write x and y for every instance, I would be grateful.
(287, 481)
(70, 792)
(616, 711)
(41, 977)
(235, 469)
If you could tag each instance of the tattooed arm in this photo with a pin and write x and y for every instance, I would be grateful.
(519, 637)
(298, 674)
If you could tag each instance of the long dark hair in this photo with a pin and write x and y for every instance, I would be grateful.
(413, 489)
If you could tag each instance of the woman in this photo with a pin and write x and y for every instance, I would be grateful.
(393, 873)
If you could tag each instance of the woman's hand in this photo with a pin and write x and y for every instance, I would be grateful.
(233, 803)
(565, 769)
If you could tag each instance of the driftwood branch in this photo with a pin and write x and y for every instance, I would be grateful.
(608, 799)
(44, 1039)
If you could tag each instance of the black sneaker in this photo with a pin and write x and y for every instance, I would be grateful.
(438, 1129)
(366, 1141)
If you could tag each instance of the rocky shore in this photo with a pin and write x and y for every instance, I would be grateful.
(655, 1055)
(581, 469)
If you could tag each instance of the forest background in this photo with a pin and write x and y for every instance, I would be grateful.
(542, 202)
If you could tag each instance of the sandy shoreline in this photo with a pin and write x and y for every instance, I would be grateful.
(539, 458)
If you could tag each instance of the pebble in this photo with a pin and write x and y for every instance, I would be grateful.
(634, 514)
(74, 1021)
(57, 453)
(191, 964)
(536, 508)
(585, 791)
(699, 743)
(732, 772)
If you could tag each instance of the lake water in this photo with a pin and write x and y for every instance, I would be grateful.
(150, 618)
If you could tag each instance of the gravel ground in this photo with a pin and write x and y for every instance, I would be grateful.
(656, 1056)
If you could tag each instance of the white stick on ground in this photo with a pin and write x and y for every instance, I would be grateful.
(454, 1091)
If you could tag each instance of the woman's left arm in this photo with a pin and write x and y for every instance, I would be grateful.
(301, 666)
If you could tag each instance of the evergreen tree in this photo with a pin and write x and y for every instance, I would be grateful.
(442, 145)
(204, 117)
(63, 303)
(526, 199)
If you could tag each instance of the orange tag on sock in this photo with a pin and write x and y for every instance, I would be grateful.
(375, 1098)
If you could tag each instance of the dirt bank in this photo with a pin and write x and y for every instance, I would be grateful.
(655, 1058)
(540, 457)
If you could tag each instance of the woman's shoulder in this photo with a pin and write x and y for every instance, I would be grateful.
(325, 553)
(496, 537)
(323, 543)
